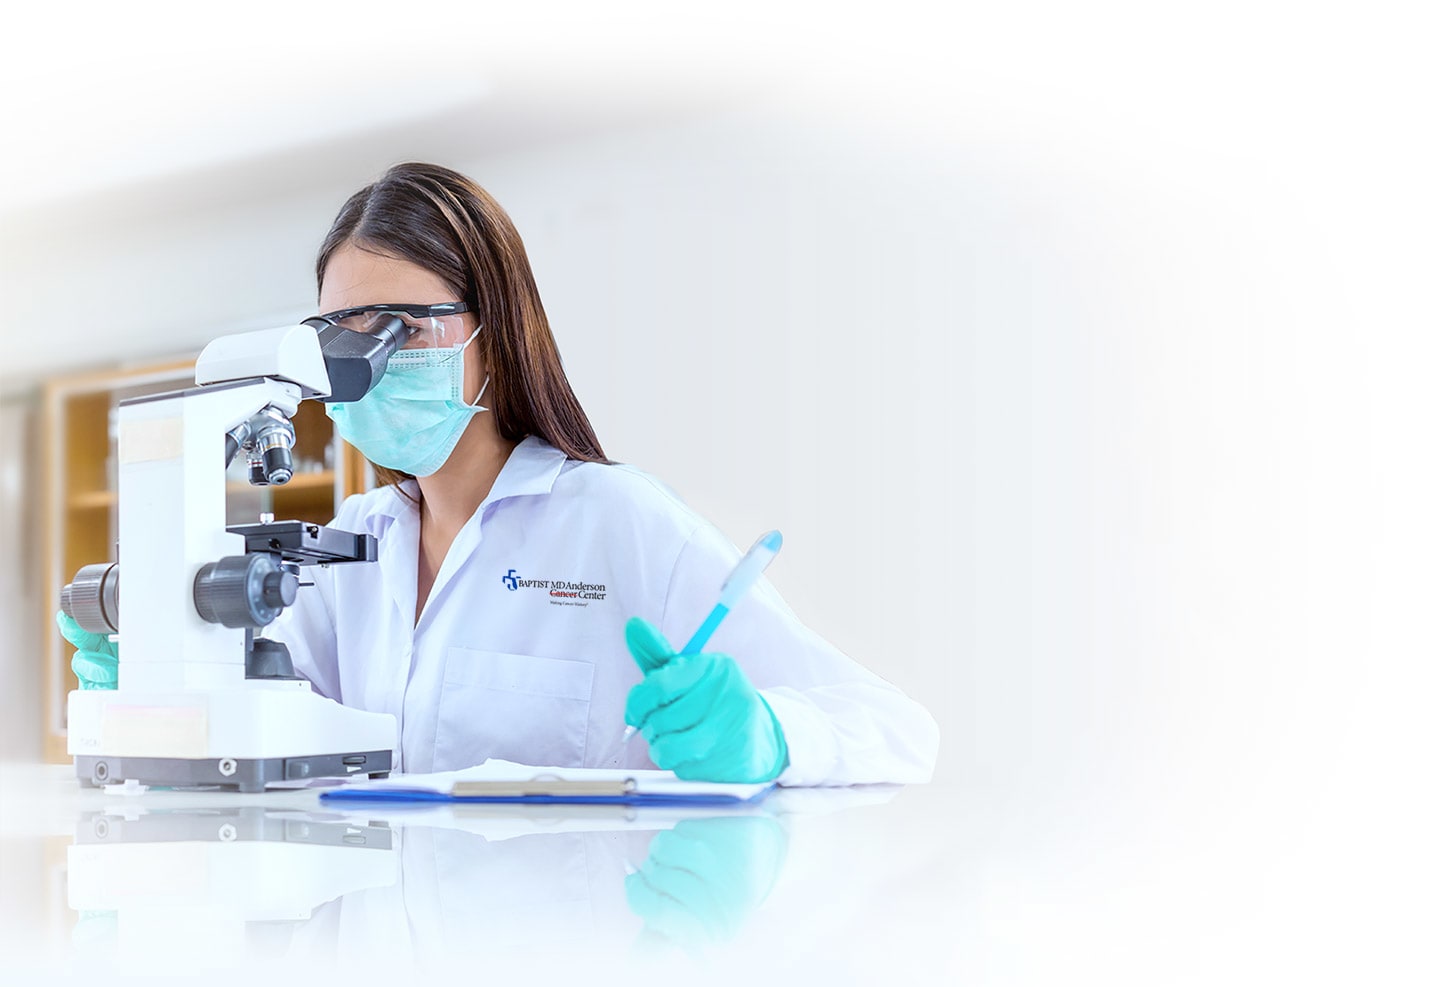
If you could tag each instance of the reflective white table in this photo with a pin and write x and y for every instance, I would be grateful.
(1020, 873)
(220, 885)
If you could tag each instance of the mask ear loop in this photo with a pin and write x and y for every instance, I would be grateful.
(463, 347)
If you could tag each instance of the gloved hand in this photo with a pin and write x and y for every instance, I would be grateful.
(704, 877)
(701, 716)
(97, 659)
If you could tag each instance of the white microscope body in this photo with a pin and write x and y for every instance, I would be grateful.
(185, 712)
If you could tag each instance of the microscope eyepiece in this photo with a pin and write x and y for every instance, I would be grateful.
(394, 331)
(354, 360)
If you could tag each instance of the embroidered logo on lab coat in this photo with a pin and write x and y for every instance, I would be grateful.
(562, 592)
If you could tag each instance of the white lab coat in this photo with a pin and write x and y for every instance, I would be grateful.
(520, 650)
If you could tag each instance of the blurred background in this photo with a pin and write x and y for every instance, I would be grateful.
(1085, 354)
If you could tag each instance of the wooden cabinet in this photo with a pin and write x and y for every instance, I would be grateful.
(80, 508)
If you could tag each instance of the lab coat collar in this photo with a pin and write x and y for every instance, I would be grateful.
(531, 470)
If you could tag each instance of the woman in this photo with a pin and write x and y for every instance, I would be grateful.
(513, 555)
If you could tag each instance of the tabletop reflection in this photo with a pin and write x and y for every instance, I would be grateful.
(210, 887)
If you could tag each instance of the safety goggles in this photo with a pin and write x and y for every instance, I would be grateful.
(431, 326)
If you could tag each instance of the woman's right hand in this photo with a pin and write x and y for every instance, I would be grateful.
(97, 659)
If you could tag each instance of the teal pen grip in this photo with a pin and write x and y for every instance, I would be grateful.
(702, 636)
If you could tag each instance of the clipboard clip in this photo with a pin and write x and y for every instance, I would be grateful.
(545, 784)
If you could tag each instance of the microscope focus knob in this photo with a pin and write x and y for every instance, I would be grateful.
(92, 598)
(243, 590)
(279, 589)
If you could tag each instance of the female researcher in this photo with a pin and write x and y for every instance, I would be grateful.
(513, 555)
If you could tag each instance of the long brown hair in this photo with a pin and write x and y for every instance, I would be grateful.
(442, 221)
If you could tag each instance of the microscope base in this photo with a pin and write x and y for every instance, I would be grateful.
(244, 774)
(244, 737)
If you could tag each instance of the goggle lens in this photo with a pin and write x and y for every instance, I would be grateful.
(431, 326)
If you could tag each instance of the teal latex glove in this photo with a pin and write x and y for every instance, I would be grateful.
(701, 716)
(702, 878)
(97, 659)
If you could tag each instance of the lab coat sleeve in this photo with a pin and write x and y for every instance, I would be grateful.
(843, 724)
(307, 628)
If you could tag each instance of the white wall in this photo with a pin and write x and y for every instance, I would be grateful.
(20, 592)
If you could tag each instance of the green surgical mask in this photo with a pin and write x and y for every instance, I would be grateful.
(411, 420)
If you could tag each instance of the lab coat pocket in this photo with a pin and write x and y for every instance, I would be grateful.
(518, 707)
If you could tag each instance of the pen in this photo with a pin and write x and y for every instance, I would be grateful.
(736, 585)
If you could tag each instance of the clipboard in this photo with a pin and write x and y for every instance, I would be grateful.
(497, 781)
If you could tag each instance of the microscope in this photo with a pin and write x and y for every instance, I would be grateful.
(202, 700)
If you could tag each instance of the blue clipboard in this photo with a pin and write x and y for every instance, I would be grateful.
(554, 797)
